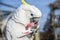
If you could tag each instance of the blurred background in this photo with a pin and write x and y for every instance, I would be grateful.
(49, 22)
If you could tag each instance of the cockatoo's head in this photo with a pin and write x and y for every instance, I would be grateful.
(32, 12)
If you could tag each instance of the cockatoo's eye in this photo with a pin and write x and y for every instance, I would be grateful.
(31, 14)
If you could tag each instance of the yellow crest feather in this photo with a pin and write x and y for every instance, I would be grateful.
(23, 2)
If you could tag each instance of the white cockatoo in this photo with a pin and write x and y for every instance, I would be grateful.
(16, 25)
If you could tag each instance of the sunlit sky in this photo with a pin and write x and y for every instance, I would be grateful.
(41, 4)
